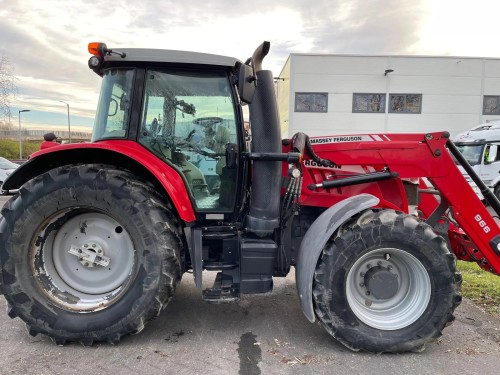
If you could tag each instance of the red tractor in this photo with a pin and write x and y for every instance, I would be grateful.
(99, 235)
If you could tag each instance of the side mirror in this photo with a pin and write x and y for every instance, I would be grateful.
(247, 82)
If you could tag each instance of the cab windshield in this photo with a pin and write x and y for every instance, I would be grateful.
(114, 104)
(471, 152)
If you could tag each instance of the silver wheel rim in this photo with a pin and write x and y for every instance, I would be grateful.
(412, 289)
(70, 279)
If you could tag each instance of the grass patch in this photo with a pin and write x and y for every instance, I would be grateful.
(481, 287)
(9, 149)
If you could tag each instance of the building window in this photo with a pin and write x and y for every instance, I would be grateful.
(368, 103)
(311, 102)
(405, 103)
(491, 105)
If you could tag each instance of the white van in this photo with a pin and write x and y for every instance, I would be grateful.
(480, 147)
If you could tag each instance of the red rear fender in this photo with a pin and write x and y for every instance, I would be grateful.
(124, 154)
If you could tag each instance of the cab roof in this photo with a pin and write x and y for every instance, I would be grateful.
(170, 56)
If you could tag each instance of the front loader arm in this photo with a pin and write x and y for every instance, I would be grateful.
(467, 212)
(450, 205)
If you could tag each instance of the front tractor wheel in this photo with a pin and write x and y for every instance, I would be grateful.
(88, 254)
(386, 283)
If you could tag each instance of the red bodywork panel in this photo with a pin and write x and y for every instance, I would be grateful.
(169, 178)
(411, 156)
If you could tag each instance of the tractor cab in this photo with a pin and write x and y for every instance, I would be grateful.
(184, 114)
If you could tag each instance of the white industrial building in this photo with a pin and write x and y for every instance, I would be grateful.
(351, 94)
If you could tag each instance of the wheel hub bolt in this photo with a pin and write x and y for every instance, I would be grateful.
(368, 265)
(367, 293)
(362, 274)
(361, 285)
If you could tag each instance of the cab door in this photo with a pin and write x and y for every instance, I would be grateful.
(188, 120)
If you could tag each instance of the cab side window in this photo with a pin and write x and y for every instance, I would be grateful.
(113, 110)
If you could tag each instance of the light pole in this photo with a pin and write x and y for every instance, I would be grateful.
(69, 126)
(20, 137)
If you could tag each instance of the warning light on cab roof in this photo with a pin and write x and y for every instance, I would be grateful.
(97, 49)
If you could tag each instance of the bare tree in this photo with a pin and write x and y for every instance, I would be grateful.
(7, 85)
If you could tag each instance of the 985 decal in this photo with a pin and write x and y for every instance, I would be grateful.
(482, 223)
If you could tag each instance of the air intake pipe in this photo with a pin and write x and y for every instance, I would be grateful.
(263, 217)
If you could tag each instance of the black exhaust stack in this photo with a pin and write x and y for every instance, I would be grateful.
(266, 138)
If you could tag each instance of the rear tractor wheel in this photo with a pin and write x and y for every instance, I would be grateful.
(88, 254)
(386, 283)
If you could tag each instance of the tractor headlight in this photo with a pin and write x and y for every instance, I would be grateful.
(95, 62)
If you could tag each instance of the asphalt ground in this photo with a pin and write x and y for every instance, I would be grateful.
(260, 334)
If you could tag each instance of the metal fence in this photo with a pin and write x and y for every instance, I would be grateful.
(30, 135)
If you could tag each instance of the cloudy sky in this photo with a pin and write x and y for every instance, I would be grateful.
(46, 40)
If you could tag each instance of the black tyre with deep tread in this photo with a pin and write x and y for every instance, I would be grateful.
(32, 223)
(364, 326)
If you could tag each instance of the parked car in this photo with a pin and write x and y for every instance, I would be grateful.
(6, 168)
